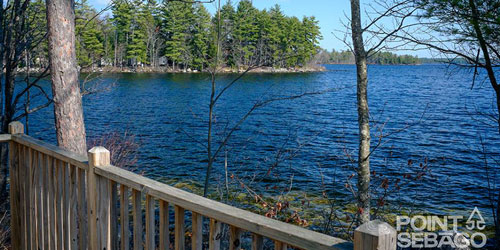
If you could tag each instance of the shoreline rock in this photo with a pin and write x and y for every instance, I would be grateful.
(225, 70)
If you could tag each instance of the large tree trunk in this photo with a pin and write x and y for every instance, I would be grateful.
(494, 84)
(68, 113)
(363, 115)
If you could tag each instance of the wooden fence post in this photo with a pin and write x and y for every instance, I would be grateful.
(98, 156)
(15, 198)
(375, 235)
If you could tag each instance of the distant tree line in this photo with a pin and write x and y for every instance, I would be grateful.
(181, 35)
(347, 57)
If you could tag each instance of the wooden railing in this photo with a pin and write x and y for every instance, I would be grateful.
(61, 200)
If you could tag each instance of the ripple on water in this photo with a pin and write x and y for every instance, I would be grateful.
(168, 113)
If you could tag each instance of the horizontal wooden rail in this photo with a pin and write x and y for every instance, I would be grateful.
(54, 151)
(277, 230)
(83, 202)
(5, 137)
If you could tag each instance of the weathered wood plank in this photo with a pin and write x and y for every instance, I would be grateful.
(278, 245)
(197, 234)
(124, 218)
(103, 212)
(23, 199)
(29, 204)
(179, 228)
(66, 205)
(45, 201)
(82, 210)
(73, 207)
(98, 156)
(137, 219)
(113, 215)
(375, 235)
(16, 238)
(164, 226)
(234, 238)
(49, 149)
(59, 203)
(5, 137)
(39, 202)
(293, 235)
(257, 242)
(150, 222)
(32, 181)
(215, 234)
(14, 195)
(51, 203)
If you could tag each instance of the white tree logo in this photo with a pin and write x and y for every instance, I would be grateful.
(475, 220)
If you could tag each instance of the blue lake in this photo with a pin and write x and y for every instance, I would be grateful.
(309, 139)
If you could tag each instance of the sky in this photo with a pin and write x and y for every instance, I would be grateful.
(329, 13)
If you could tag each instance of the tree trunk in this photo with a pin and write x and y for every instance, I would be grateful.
(68, 112)
(494, 84)
(363, 115)
(116, 50)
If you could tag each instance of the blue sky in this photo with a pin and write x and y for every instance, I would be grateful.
(329, 13)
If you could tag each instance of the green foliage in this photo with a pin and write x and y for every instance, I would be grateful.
(200, 42)
(346, 57)
(267, 37)
(139, 32)
(136, 48)
(122, 19)
(89, 47)
(177, 25)
(36, 28)
(246, 32)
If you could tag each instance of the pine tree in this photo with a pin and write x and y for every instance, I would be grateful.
(246, 33)
(139, 31)
(201, 37)
(89, 47)
(291, 43)
(36, 28)
(311, 36)
(152, 29)
(227, 40)
(122, 20)
(136, 48)
(278, 35)
(178, 20)
(108, 36)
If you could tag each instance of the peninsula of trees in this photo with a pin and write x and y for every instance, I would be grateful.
(347, 57)
(181, 35)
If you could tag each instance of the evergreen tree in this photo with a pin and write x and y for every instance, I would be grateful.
(178, 21)
(136, 48)
(291, 43)
(122, 20)
(227, 15)
(311, 36)
(246, 33)
(152, 28)
(36, 27)
(89, 47)
(278, 35)
(201, 37)
(139, 31)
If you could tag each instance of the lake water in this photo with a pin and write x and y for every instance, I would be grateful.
(312, 137)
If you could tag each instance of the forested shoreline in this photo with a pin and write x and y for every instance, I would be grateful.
(178, 36)
(382, 58)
